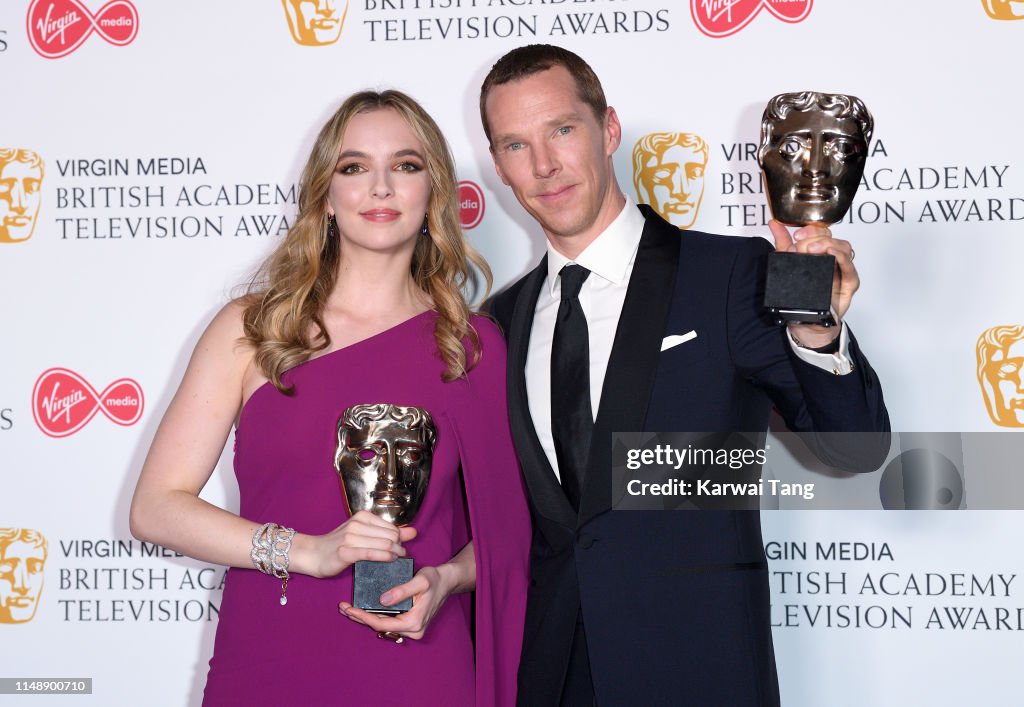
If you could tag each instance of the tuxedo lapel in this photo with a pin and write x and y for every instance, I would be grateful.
(633, 364)
(546, 493)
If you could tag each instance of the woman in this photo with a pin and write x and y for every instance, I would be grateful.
(359, 305)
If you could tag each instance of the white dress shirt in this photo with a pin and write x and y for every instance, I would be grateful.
(609, 258)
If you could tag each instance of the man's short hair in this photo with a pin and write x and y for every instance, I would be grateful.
(523, 62)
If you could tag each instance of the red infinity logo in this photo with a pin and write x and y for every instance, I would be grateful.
(720, 18)
(58, 27)
(63, 402)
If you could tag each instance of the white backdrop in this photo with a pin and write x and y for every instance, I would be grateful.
(134, 247)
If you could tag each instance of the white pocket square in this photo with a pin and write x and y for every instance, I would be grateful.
(676, 339)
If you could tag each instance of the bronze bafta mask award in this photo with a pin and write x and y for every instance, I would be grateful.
(383, 460)
(813, 148)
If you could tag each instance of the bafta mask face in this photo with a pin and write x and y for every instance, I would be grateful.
(670, 175)
(1001, 374)
(21, 578)
(20, 184)
(315, 22)
(813, 161)
(384, 456)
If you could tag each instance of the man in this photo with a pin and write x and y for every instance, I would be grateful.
(21, 176)
(22, 557)
(668, 174)
(643, 607)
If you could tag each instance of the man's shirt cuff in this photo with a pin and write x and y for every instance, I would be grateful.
(838, 363)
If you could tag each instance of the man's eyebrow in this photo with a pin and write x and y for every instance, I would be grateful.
(503, 138)
(558, 120)
(570, 117)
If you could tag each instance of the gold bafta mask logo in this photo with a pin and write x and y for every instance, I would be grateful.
(1001, 374)
(1004, 9)
(315, 23)
(668, 174)
(22, 557)
(21, 181)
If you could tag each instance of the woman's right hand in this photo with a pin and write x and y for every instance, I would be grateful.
(364, 536)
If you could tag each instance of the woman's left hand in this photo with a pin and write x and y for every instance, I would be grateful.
(428, 589)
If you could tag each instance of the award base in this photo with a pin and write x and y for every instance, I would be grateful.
(374, 578)
(798, 288)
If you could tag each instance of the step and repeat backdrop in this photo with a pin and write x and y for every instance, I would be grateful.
(149, 154)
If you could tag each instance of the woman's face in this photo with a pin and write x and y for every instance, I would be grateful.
(380, 188)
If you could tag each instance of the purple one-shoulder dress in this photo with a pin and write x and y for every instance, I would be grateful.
(306, 653)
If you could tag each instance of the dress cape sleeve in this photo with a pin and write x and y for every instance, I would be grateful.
(498, 515)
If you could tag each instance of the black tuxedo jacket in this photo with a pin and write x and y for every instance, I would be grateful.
(675, 603)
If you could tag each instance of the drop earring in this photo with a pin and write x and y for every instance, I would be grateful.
(425, 231)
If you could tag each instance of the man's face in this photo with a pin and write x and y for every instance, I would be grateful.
(385, 469)
(555, 155)
(314, 22)
(19, 200)
(1004, 385)
(21, 581)
(674, 181)
(812, 166)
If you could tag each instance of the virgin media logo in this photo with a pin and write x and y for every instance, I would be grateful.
(63, 402)
(720, 18)
(471, 204)
(58, 27)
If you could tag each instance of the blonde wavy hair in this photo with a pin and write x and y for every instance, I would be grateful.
(283, 315)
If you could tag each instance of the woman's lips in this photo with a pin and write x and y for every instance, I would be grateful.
(380, 215)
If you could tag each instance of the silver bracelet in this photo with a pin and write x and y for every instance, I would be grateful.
(270, 545)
